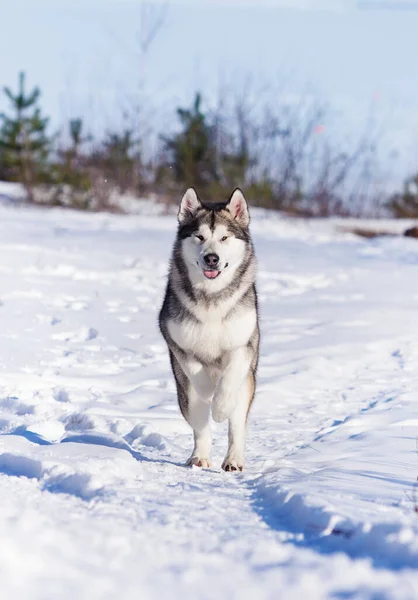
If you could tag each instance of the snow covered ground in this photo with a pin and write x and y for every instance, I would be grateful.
(95, 502)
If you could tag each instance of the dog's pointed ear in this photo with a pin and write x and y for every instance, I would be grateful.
(189, 205)
(238, 207)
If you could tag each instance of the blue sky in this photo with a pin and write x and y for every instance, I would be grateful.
(357, 55)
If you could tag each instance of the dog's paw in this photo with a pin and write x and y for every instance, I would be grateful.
(232, 463)
(196, 461)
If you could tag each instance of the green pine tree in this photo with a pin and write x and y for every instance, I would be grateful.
(70, 168)
(193, 150)
(120, 159)
(24, 143)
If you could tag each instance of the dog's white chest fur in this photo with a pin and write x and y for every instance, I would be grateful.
(211, 336)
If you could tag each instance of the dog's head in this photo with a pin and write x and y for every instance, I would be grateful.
(214, 238)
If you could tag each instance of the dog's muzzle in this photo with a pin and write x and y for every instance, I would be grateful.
(211, 265)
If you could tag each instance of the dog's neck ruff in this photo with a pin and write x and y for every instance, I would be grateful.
(198, 297)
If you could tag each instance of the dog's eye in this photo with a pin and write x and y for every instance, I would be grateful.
(225, 237)
(200, 237)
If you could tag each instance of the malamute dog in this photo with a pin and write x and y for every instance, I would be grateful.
(209, 320)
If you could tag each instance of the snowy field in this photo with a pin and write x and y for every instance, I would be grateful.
(95, 502)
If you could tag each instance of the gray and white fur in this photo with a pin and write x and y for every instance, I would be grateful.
(209, 320)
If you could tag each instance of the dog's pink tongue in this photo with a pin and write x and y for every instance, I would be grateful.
(211, 274)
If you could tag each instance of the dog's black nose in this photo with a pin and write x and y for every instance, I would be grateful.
(211, 260)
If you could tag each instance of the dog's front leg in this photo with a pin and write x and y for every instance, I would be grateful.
(234, 460)
(199, 378)
(236, 368)
(194, 403)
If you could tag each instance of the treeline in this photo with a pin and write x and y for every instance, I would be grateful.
(281, 153)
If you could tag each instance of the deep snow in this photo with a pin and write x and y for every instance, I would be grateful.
(325, 508)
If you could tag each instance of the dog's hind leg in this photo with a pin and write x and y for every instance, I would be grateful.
(198, 413)
(234, 460)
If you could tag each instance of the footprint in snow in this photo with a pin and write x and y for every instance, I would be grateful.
(85, 334)
(12, 404)
(60, 395)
